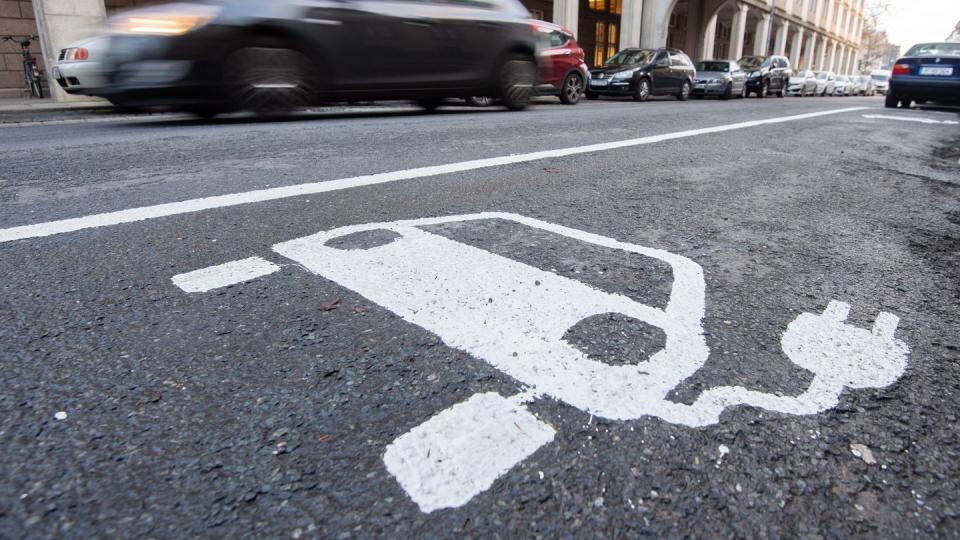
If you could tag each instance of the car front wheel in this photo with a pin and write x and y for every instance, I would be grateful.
(572, 89)
(764, 89)
(643, 90)
(684, 91)
(518, 75)
(268, 77)
(890, 101)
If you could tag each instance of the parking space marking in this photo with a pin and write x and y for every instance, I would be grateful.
(262, 195)
(231, 273)
(463, 450)
(911, 119)
(515, 317)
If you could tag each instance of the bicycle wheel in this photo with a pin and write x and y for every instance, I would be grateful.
(35, 87)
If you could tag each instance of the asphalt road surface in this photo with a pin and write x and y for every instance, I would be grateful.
(703, 319)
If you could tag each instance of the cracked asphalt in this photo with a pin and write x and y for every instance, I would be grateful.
(263, 409)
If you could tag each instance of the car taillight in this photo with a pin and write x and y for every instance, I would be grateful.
(81, 54)
(901, 69)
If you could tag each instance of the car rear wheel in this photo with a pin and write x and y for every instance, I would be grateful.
(642, 93)
(572, 89)
(891, 102)
(518, 75)
(783, 90)
(905, 103)
(480, 101)
(684, 91)
(764, 89)
(269, 77)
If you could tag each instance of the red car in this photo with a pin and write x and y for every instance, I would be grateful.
(563, 72)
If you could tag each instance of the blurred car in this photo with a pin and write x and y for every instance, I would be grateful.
(563, 71)
(826, 83)
(928, 72)
(865, 86)
(881, 79)
(840, 87)
(721, 78)
(641, 73)
(766, 74)
(219, 56)
(79, 69)
(803, 83)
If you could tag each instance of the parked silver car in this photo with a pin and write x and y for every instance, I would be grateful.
(840, 88)
(721, 78)
(865, 86)
(803, 83)
(826, 83)
(881, 80)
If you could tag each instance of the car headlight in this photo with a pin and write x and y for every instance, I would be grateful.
(623, 75)
(165, 20)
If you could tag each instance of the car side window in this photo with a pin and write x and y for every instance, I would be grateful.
(661, 59)
(558, 38)
(676, 60)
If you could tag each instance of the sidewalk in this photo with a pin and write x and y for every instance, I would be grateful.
(48, 104)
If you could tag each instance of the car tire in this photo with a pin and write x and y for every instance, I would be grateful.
(783, 90)
(480, 101)
(685, 89)
(571, 91)
(891, 101)
(905, 102)
(269, 76)
(642, 93)
(764, 89)
(727, 92)
(517, 77)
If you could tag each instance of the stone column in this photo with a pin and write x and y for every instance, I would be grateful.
(59, 23)
(762, 37)
(780, 45)
(796, 50)
(738, 31)
(832, 57)
(821, 55)
(567, 12)
(709, 38)
(630, 22)
(653, 27)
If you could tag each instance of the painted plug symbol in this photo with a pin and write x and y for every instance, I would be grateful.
(842, 355)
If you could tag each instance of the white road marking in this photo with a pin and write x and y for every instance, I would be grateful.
(459, 453)
(911, 119)
(222, 201)
(514, 316)
(231, 273)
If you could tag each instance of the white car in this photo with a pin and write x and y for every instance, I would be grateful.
(881, 80)
(826, 82)
(840, 86)
(803, 83)
(78, 69)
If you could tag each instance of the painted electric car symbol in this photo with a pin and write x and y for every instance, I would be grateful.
(515, 316)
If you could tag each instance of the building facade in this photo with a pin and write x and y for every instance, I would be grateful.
(814, 34)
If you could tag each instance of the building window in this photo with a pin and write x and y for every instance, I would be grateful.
(612, 6)
(598, 5)
(616, 7)
(600, 47)
(612, 40)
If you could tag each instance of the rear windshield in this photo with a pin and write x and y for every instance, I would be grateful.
(751, 62)
(631, 56)
(935, 49)
(723, 67)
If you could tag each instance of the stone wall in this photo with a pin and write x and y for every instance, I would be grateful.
(16, 18)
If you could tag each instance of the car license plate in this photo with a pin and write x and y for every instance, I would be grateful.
(600, 82)
(936, 70)
(700, 85)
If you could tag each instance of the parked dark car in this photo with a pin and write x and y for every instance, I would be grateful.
(264, 56)
(721, 78)
(641, 73)
(767, 74)
(928, 72)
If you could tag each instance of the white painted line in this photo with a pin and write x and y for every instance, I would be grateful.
(459, 453)
(222, 201)
(911, 119)
(231, 273)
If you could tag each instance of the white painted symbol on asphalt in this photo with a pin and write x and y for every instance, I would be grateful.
(911, 119)
(514, 316)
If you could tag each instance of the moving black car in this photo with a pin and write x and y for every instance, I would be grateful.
(218, 56)
(928, 72)
(767, 74)
(641, 73)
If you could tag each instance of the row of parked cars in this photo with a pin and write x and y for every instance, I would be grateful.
(219, 56)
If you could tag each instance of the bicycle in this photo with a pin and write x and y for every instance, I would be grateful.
(31, 73)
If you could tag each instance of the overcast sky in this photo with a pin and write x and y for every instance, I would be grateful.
(914, 21)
